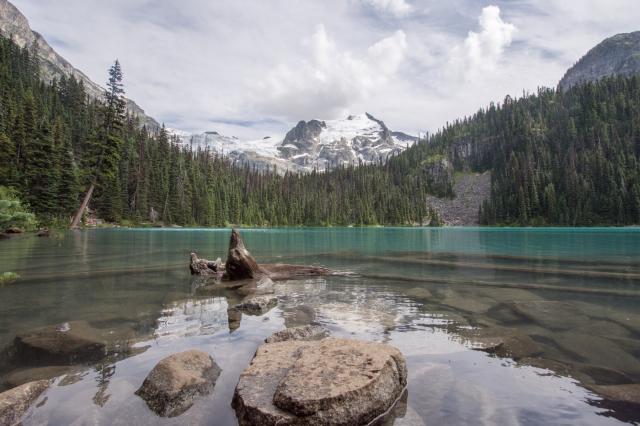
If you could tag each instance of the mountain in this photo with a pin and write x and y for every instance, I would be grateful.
(327, 144)
(14, 25)
(616, 56)
(313, 144)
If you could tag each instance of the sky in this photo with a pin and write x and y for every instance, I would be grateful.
(251, 68)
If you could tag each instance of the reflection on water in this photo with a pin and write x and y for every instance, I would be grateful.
(498, 326)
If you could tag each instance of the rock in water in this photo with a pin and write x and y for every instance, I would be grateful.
(15, 402)
(305, 333)
(205, 267)
(629, 394)
(240, 264)
(551, 314)
(325, 382)
(172, 386)
(257, 305)
(62, 344)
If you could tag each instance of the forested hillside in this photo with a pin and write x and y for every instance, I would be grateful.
(556, 158)
(55, 142)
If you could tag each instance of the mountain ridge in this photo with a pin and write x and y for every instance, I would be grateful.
(310, 145)
(618, 55)
(14, 25)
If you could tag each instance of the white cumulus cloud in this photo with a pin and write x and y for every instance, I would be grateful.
(330, 80)
(482, 50)
(397, 8)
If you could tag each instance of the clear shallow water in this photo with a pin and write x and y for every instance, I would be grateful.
(572, 295)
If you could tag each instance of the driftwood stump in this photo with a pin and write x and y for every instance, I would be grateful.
(240, 264)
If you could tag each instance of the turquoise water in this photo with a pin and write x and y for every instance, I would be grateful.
(571, 298)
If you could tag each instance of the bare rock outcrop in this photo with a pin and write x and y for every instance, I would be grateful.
(177, 380)
(15, 402)
(325, 382)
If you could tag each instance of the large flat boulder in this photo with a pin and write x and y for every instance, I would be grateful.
(177, 380)
(15, 402)
(325, 382)
(63, 344)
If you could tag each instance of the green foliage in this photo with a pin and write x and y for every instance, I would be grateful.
(8, 278)
(12, 212)
(58, 142)
(556, 158)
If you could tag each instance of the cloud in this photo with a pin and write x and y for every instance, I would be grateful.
(396, 8)
(328, 81)
(239, 67)
(481, 51)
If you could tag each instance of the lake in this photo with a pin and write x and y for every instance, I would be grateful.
(564, 305)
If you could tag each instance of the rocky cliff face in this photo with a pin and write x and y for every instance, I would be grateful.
(14, 24)
(618, 55)
(328, 144)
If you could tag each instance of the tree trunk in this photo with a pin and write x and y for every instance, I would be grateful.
(83, 206)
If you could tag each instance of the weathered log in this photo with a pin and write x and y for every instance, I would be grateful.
(241, 265)
(83, 207)
(205, 267)
(283, 271)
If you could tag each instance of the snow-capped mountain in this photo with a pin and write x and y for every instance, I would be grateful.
(313, 144)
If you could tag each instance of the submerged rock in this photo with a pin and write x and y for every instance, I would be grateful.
(419, 293)
(462, 302)
(63, 344)
(597, 351)
(502, 342)
(257, 305)
(326, 382)
(619, 393)
(240, 264)
(299, 316)
(552, 315)
(177, 380)
(305, 333)
(205, 267)
(20, 377)
(15, 402)
(43, 233)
